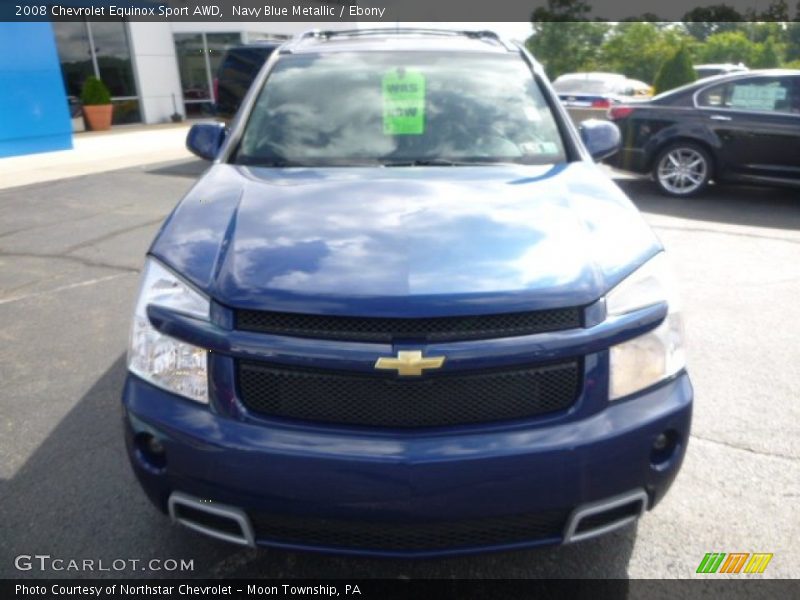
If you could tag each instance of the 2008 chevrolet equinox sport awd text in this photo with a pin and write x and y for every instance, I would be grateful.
(404, 313)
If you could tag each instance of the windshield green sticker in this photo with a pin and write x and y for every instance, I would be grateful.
(403, 102)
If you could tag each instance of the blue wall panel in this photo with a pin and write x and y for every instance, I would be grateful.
(33, 104)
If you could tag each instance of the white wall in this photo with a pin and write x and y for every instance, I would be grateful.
(156, 70)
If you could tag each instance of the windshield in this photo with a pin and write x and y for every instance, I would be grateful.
(585, 86)
(400, 109)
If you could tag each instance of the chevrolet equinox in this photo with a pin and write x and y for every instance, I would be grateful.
(404, 312)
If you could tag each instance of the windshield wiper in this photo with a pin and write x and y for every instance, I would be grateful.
(440, 162)
(426, 162)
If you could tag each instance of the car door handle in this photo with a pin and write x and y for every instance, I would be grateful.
(720, 118)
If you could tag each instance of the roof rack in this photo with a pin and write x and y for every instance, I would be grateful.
(328, 34)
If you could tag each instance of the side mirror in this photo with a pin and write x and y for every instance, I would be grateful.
(205, 139)
(602, 138)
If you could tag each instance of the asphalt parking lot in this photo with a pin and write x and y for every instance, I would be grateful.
(70, 252)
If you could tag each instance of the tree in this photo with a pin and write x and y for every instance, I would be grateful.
(702, 22)
(638, 49)
(676, 71)
(728, 47)
(759, 32)
(566, 47)
(778, 10)
(647, 17)
(563, 10)
(563, 40)
(793, 39)
(767, 55)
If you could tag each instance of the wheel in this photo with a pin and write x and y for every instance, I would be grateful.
(682, 169)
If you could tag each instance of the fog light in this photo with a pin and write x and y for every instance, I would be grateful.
(664, 448)
(151, 452)
(154, 446)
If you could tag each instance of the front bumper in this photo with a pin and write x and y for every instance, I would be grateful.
(400, 493)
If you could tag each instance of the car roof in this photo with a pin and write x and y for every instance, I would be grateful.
(384, 39)
(725, 77)
(735, 75)
(720, 66)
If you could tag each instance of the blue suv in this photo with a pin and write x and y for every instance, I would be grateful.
(405, 313)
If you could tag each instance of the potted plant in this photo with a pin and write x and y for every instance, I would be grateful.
(97, 107)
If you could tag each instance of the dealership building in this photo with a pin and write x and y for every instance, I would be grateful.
(152, 69)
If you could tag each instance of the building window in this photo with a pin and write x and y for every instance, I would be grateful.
(199, 56)
(114, 58)
(101, 50)
(250, 37)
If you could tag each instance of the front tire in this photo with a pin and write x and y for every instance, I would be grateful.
(682, 169)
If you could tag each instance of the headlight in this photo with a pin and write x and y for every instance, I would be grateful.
(658, 354)
(164, 361)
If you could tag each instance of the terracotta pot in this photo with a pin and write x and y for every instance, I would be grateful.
(98, 117)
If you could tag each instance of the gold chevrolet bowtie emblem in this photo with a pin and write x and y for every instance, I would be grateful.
(409, 362)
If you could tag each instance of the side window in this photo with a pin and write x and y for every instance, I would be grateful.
(795, 99)
(769, 94)
(714, 97)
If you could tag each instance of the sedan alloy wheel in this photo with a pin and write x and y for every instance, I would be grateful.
(682, 170)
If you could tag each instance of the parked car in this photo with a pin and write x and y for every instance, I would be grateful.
(236, 73)
(404, 312)
(739, 127)
(589, 95)
(718, 69)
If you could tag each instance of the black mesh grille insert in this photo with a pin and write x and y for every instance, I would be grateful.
(388, 401)
(408, 536)
(437, 329)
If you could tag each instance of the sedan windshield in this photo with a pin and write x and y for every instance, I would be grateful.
(400, 109)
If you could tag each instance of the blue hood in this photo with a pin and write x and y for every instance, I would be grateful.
(410, 241)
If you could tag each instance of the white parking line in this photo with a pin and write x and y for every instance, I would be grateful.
(64, 287)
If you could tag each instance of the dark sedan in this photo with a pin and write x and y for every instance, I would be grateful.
(736, 127)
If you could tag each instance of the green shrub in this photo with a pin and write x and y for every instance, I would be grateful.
(768, 55)
(676, 71)
(95, 92)
(728, 47)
